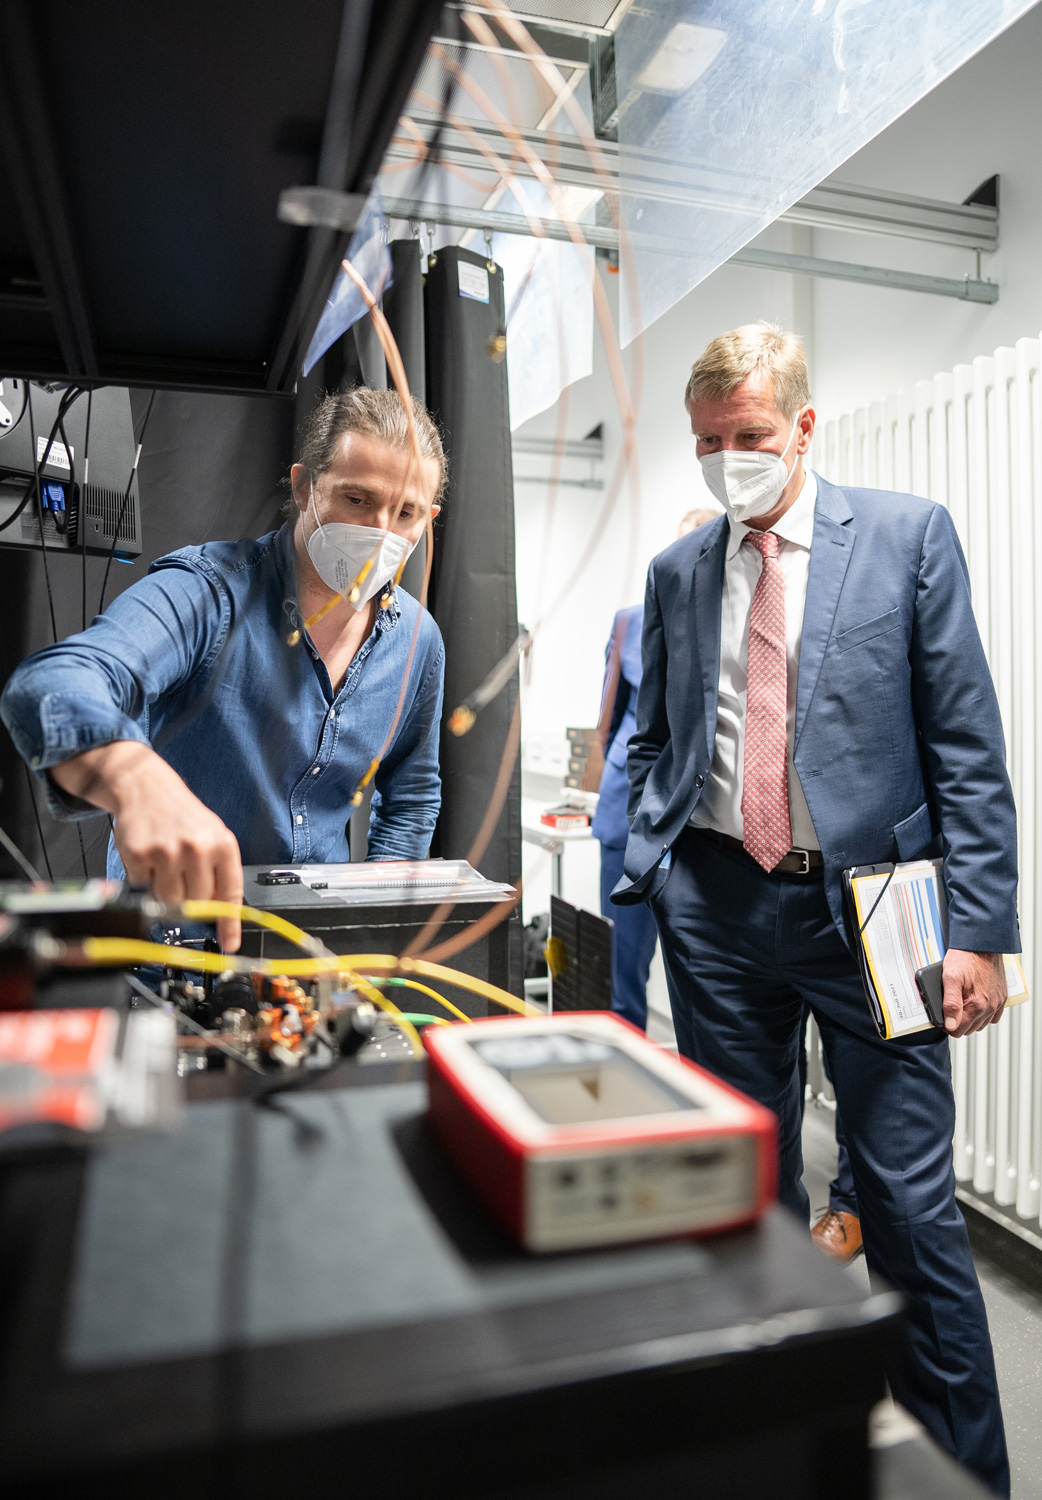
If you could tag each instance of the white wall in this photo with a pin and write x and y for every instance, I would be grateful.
(986, 118)
(567, 660)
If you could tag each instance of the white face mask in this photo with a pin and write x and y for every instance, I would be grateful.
(747, 484)
(340, 551)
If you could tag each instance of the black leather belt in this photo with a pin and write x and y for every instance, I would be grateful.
(796, 862)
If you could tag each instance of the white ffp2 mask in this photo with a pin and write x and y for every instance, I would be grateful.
(747, 484)
(339, 552)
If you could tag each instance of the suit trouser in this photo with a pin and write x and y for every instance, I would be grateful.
(743, 952)
(633, 944)
(842, 1198)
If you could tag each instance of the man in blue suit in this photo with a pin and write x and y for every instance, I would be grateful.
(815, 696)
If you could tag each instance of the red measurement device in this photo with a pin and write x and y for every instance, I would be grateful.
(578, 1131)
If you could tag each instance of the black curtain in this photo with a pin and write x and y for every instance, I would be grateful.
(210, 468)
(403, 308)
(474, 597)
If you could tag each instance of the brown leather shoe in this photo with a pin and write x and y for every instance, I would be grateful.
(838, 1234)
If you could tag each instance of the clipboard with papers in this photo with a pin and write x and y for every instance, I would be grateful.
(899, 917)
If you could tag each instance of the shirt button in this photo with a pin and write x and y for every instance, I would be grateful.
(300, 818)
(700, 781)
(315, 770)
(332, 713)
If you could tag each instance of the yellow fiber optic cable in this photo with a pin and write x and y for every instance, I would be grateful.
(130, 952)
(389, 964)
(115, 952)
(414, 984)
(213, 911)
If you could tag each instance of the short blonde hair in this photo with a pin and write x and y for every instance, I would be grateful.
(730, 359)
(700, 516)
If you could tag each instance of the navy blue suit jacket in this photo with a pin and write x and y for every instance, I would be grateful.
(610, 823)
(898, 740)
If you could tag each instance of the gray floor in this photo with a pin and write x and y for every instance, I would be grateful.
(1012, 1286)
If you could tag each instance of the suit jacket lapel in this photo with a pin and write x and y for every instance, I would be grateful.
(708, 586)
(831, 545)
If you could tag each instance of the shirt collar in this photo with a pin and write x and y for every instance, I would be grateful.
(796, 525)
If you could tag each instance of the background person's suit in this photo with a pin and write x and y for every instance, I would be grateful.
(635, 935)
(899, 750)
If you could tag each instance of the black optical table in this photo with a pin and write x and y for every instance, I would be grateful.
(300, 1298)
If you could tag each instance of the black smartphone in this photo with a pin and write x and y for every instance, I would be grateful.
(930, 984)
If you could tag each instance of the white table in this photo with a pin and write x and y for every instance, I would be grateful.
(553, 841)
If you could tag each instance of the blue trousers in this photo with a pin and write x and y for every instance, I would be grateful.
(633, 944)
(744, 951)
(842, 1198)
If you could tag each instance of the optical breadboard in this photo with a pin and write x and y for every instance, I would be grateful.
(577, 1131)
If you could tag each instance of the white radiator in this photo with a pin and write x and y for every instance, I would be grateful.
(972, 440)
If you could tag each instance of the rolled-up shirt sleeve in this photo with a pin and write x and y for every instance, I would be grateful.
(96, 687)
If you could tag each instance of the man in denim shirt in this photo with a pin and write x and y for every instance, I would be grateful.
(213, 726)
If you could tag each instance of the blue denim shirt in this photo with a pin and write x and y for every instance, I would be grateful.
(195, 660)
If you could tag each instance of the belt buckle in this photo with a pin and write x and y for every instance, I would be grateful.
(804, 854)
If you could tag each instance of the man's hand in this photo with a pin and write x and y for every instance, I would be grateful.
(166, 838)
(974, 990)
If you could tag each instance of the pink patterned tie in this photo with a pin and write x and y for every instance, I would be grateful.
(765, 793)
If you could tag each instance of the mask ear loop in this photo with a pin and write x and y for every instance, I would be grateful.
(293, 639)
(795, 429)
(318, 519)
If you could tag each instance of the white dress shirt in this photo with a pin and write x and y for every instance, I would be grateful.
(720, 806)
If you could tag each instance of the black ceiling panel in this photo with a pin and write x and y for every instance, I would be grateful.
(145, 148)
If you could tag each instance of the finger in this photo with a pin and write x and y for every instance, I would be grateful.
(136, 859)
(196, 873)
(953, 1006)
(165, 876)
(228, 886)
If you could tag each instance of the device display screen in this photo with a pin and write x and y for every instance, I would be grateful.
(571, 1080)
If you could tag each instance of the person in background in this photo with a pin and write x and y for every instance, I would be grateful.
(633, 945)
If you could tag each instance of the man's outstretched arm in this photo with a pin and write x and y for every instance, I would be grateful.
(166, 838)
(75, 712)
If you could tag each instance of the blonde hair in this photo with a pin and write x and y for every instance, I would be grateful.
(700, 516)
(730, 359)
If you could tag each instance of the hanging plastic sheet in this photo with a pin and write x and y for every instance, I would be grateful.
(369, 255)
(549, 301)
(731, 110)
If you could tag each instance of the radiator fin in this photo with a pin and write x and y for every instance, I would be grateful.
(971, 439)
